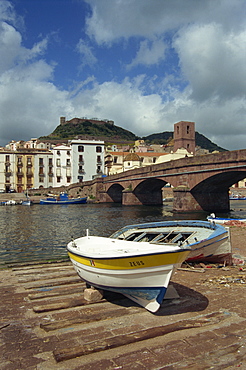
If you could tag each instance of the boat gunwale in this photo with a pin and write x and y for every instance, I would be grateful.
(129, 255)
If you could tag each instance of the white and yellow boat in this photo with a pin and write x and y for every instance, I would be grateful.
(139, 260)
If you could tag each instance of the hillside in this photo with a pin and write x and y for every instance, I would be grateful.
(70, 131)
(165, 137)
(115, 134)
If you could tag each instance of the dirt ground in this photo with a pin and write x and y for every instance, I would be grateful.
(46, 324)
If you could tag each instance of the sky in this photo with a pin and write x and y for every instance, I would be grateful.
(145, 64)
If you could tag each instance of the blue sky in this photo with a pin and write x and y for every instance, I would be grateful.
(146, 64)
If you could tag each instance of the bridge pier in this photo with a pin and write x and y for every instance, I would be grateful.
(186, 201)
(129, 198)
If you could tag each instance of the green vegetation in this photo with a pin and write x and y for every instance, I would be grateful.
(164, 138)
(70, 131)
(112, 134)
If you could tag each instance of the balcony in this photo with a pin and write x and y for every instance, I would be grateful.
(81, 171)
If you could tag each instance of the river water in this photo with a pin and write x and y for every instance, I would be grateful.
(41, 232)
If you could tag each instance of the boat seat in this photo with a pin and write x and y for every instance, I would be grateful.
(157, 238)
(177, 238)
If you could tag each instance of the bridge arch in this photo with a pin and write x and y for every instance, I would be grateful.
(115, 193)
(149, 191)
(212, 194)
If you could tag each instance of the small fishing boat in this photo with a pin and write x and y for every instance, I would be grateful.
(26, 202)
(139, 260)
(63, 198)
(226, 221)
(237, 197)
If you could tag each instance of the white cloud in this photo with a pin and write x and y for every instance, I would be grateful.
(213, 61)
(149, 53)
(125, 103)
(87, 56)
(111, 20)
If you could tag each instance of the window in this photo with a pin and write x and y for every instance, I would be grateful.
(29, 160)
(58, 162)
(68, 179)
(50, 178)
(98, 159)
(68, 162)
(7, 158)
(58, 179)
(99, 149)
(50, 162)
(68, 152)
(41, 161)
(41, 179)
(115, 159)
(80, 148)
(188, 129)
(58, 152)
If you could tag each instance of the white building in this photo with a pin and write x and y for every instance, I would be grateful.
(62, 165)
(43, 169)
(87, 159)
(7, 170)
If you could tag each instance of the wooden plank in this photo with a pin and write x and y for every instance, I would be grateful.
(60, 305)
(50, 275)
(49, 283)
(88, 317)
(42, 270)
(57, 291)
(137, 336)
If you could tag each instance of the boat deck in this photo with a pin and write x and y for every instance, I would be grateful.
(46, 324)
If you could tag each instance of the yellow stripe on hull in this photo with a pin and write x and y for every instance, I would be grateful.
(130, 263)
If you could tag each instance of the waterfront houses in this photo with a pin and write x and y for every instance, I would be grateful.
(24, 166)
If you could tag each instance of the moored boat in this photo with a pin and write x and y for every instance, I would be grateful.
(139, 260)
(63, 198)
(226, 221)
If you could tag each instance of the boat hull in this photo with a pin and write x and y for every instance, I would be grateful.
(143, 278)
(70, 201)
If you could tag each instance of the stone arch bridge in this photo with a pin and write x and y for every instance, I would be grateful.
(199, 183)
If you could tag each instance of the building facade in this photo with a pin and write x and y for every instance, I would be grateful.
(184, 136)
(87, 159)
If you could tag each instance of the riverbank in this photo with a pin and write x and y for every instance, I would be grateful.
(46, 324)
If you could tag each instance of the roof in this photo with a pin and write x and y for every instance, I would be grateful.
(140, 154)
(132, 157)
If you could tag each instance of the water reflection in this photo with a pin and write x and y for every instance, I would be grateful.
(42, 232)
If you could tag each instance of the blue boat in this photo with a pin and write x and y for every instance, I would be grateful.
(63, 199)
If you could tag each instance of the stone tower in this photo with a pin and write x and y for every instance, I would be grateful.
(184, 136)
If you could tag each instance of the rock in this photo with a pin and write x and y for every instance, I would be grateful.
(93, 295)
